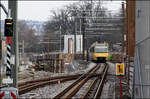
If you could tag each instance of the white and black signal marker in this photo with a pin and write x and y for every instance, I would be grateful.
(8, 33)
(8, 57)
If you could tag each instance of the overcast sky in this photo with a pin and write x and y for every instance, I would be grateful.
(40, 10)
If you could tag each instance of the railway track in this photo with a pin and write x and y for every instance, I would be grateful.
(26, 85)
(30, 85)
(33, 82)
(33, 85)
(71, 90)
(95, 88)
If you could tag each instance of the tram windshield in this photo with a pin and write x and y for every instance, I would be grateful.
(101, 49)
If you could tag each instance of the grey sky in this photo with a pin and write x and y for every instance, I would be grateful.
(40, 10)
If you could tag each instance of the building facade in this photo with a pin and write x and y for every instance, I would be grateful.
(70, 42)
(141, 77)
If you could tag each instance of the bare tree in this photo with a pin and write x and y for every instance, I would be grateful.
(95, 13)
(28, 35)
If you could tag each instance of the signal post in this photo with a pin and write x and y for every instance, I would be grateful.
(120, 71)
(8, 92)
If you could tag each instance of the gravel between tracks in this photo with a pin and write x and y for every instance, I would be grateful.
(86, 85)
(82, 90)
(48, 91)
(42, 74)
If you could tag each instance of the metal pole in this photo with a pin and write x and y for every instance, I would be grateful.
(83, 31)
(75, 36)
(23, 47)
(48, 43)
(12, 4)
(80, 34)
(127, 38)
(60, 38)
(127, 31)
(1, 49)
(123, 25)
(23, 55)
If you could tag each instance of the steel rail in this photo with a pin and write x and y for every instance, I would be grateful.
(28, 83)
(26, 88)
(74, 87)
(101, 84)
(90, 91)
(41, 84)
(89, 88)
(33, 82)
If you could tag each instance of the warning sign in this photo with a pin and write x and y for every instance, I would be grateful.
(120, 69)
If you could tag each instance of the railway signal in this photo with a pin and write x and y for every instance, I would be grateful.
(8, 27)
(8, 92)
(8, 34)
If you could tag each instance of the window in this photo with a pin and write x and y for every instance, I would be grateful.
(101, 49)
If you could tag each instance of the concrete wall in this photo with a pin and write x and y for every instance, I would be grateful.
(78, 43)
(141, 79)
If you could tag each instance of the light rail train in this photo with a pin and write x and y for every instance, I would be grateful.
(99, 52)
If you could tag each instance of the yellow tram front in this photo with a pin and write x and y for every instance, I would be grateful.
(99, 52)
